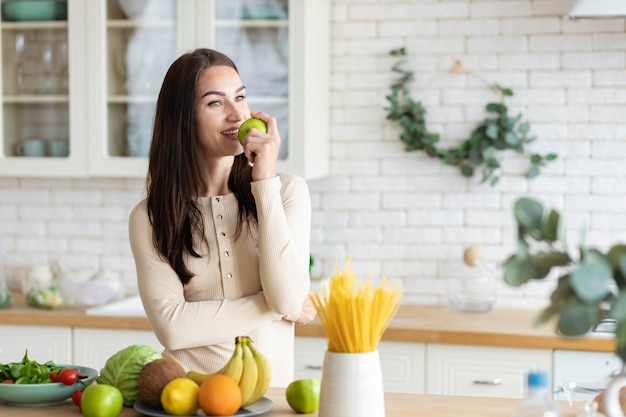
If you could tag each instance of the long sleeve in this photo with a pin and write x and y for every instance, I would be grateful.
(252, 283)
(179, 322)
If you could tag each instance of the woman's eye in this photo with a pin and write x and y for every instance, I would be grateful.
(241, 97)
(214, 103)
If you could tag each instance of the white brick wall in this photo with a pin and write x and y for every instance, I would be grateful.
(402, 214)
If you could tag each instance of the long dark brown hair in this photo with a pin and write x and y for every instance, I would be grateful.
(174, 175)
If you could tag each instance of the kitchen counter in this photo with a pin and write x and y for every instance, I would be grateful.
(500, 327)
(396, 405)
(412, 323)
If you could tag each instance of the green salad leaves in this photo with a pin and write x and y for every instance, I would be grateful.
(28, 372)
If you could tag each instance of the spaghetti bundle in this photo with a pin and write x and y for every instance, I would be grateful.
(354, 314)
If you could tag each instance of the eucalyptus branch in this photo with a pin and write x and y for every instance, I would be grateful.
(590, 286)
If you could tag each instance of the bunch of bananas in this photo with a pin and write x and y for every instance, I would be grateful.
(247, 367)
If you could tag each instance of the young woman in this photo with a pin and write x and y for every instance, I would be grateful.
(221, 243)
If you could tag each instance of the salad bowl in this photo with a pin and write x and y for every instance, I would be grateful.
(45, 394)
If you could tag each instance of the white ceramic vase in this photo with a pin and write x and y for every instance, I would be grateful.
(352, 385)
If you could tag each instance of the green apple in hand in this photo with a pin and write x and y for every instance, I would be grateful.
(249, 124)
(303, 395)
(101, 400)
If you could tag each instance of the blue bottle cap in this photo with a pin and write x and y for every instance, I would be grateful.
(538, 379)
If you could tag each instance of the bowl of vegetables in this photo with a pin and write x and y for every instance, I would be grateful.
(32, 383)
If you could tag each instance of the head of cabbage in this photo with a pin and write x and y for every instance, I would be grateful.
(122, 370)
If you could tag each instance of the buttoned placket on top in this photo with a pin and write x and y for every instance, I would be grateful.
(229, 284)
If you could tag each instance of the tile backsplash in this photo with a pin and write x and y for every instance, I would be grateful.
(402, 214)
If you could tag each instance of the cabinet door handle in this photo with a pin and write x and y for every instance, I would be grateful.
(495, 381)
(315, 367)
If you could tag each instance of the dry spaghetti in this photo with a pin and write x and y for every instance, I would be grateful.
(354, 314)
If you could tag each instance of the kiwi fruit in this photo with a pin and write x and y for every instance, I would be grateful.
(154, 376)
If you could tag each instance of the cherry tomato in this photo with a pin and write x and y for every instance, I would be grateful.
(68, 376)
(76, 396)
(8, 381)
(54, 377)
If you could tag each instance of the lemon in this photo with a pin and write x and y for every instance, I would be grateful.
(303, 395)
(180, 397)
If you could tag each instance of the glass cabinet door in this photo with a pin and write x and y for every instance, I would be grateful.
(79, 89)
(36, 124)
(141, 44)
(282, 50)
(255, 34)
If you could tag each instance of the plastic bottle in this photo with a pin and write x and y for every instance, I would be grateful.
(537, 401)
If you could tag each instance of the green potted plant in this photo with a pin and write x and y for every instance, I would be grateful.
(591, 285)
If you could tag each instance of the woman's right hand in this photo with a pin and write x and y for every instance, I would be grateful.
(308, 312)
(261, 149)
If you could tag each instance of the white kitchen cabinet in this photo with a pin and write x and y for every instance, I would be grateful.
(481, 371)
(309, 356)
(44, 343)
(581, 375)
(108, 69)
(44, 96)
(92, 347)
(402, 363)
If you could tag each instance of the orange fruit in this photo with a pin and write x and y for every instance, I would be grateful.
(219, 395)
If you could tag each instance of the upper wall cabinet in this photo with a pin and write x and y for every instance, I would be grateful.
(43, 90)
(79, 87)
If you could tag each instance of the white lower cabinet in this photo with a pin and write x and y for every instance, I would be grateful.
(309, 356)
(481, 371)
(92, 347)
(581, 375)
(411, 367)
(402, 363)
(44, 343)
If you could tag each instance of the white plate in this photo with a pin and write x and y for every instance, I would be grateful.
(262, 406)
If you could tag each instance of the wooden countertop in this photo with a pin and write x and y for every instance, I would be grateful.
(396, 405)
(412, 323)
(21, 314)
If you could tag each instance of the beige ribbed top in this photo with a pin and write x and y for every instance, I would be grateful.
(254, 285)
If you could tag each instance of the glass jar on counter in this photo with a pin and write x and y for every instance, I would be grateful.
(39, 287)
(471, 285)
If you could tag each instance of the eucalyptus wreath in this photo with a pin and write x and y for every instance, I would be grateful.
(498, 133)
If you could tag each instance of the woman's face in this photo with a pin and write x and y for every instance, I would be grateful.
(221, 107)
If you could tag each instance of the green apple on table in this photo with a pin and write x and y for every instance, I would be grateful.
(101, 400)
(303, 395)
